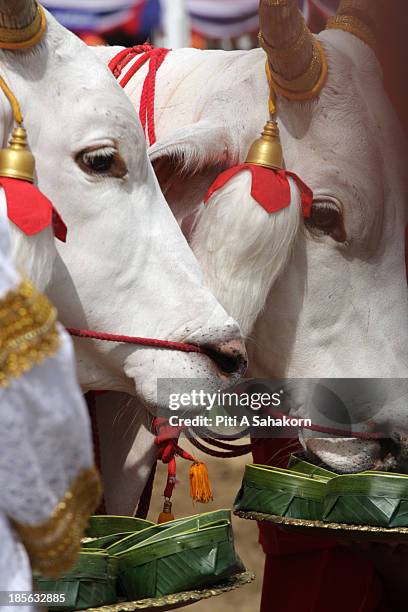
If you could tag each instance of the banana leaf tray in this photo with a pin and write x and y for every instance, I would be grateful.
(368, 506)
(179, 600)
(278, 491)
(155, 563)
(340, 531)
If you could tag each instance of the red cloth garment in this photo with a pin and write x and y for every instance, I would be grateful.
(270, 188)
(30, 210)
(308, 573)
(406, 250)
(331, 580)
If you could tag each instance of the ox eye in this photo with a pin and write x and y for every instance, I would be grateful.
(102, 161)
(327, 219)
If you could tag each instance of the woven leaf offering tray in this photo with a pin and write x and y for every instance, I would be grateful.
(180, 600)
(368, 506)
(127, 564)
(340, 531)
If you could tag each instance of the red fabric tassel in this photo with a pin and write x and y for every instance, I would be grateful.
(270, 188)
(30, 209)
(166, 440)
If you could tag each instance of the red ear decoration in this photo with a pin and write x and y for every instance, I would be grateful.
(30, 210)
(270, 188)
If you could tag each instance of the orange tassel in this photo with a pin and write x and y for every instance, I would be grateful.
(200, 486)
(166, 515)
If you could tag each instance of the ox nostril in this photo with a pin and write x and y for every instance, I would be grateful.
(230, 357)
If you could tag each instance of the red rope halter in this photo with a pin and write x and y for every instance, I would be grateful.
(147, 101)
(153, 342)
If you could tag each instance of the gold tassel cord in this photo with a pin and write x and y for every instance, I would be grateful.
(18, 115)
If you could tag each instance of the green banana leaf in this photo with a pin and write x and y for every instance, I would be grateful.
(179, 562)
(105, 542)
(304, 467)
(281, 492)
(90, 583)
(368, 498)
(103, 525)
(180, 525)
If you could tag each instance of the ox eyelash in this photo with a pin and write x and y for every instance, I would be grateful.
(106, 152)
(102, 162)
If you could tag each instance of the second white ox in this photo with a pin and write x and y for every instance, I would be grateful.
(126, 267)
(326, 298)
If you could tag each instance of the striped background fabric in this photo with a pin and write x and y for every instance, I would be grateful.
(231, 18)
(214, 19)
(97, 16)
(326, 7)
(223, 19)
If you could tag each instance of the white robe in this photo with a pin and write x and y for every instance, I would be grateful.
(45, 437)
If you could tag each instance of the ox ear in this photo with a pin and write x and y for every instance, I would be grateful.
(186, 163)
(198, 145)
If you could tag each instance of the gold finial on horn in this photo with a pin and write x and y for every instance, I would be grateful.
(298, 65)
(360, 18)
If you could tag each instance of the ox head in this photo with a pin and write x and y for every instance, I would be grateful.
(340, 307)
(322, 297)
(126, 267)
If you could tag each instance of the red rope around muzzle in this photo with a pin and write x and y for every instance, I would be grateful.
(192, 348)
(152, 342)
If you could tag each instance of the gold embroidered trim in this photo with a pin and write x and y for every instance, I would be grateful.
(28, 332)
(353, 25)
(53, 546)
(23, 38)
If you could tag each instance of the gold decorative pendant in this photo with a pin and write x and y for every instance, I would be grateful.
(267, 150)
(16, 161)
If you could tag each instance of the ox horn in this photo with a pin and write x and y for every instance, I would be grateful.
(362, 18)
(22, 24)
(297, 62)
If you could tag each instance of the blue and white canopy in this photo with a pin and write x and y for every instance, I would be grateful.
(97, 16)
(226, 19)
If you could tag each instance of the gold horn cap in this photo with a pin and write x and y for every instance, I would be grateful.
(17, 161)
(267, 150)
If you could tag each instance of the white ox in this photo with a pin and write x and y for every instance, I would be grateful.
(126, 267)
(326, 298)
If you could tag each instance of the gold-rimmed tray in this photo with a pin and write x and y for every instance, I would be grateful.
(340, 531)
(179, 600)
